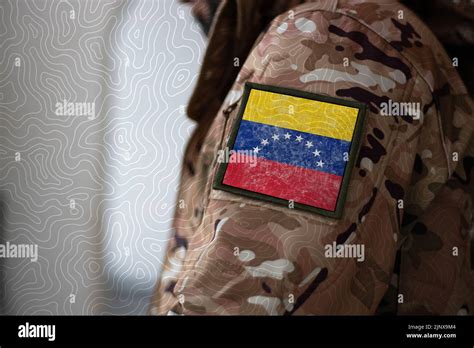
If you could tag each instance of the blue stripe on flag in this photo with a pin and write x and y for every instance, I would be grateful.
(281, 145)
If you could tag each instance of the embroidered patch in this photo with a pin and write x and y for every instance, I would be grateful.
(292, 148)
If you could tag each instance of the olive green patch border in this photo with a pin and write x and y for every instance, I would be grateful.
(353, 151)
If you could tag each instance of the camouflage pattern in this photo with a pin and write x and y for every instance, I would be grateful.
(453, 24)
(410, 196)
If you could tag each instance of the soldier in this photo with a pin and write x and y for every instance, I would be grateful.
(381, 224)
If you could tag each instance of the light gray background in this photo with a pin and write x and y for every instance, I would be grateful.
(137, 61)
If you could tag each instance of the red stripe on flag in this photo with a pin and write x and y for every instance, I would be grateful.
(302, 185)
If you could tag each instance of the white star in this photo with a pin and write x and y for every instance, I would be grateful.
(264, 142)
(275, 137)
(309, 144)
(256, 149)
(316, 153)
(287, 135)
(299, 138)
(320, 163)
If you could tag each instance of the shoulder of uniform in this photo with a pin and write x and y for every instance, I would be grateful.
(396, 26)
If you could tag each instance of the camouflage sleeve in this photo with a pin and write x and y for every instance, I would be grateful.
(246, 256)
(436, 274)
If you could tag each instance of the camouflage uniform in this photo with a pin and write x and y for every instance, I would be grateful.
(410, 194)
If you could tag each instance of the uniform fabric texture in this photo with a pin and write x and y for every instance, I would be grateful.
(409, 199)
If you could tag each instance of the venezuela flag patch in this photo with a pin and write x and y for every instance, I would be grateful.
(292, 148)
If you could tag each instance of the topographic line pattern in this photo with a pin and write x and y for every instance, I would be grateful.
(92, 130)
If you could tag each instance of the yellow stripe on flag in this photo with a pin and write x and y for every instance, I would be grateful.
(300, 114)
